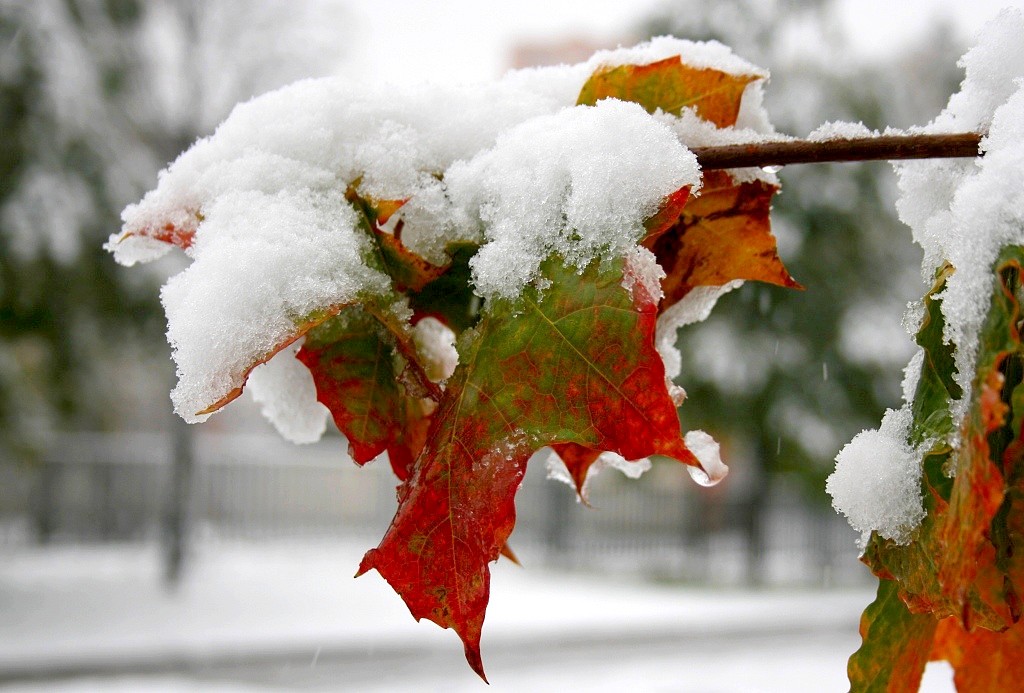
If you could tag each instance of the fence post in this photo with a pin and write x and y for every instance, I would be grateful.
(44, 507)
(179, 494)
(557, 523)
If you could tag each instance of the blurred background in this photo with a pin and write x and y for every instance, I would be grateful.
(142, 554)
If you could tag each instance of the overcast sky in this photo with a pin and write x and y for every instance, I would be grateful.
(467, 40)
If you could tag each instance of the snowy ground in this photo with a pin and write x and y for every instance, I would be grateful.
(263, 617)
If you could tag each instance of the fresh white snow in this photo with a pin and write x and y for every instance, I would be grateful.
(545, 631)
(966, 211)
(284, 389)
(877, 482)
(706, 449)
(578, 184)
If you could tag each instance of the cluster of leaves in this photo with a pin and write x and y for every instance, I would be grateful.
(570, 363)
(954, 592)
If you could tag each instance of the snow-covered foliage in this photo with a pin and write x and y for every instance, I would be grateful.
(963, 212)
(514, 167)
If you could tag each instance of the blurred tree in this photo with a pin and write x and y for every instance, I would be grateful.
(786, 377)
(95, 97)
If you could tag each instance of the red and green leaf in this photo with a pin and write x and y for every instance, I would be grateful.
(896, 645)
(352, 359)
(575, 363)
(573, 366)
(951, 568)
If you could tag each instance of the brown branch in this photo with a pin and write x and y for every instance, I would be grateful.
(885, 147)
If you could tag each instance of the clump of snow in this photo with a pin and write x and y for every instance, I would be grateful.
(578, 183)
(132, 248)
(877, 481)
(966, 211)
(840, 130)
(435, 345)
(692, 308)
(709, 454)
(284, 389)
(557, 470)
(700, 54)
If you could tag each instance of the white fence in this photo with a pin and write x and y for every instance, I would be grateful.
(122, 488)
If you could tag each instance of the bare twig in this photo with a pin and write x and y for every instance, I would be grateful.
(886, 147)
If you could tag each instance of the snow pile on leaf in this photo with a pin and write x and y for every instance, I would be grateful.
(461, 277)
(877, 482)
(579, 183)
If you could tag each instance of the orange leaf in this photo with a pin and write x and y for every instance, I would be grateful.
(982, 660)
(671, 85)
(722, 234)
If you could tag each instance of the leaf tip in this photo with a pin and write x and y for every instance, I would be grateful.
(367, 564)
(508, 553)
(475, 661)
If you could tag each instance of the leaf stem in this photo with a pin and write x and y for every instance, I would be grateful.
(884, 147)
